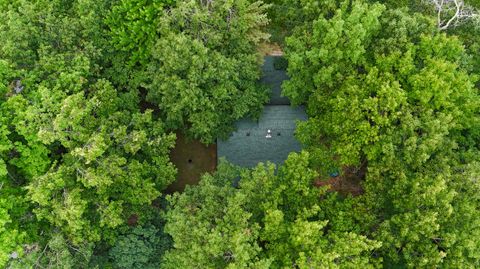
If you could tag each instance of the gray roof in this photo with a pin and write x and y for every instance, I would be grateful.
(248, 145)
(274, 78)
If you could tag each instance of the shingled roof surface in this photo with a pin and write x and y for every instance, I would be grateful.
(249, 145)
(274, 78)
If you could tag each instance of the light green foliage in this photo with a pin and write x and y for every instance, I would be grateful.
(211, 228)
(116, 160)
(205, 66)
(294, 229)
(53, 48)
(321, 61)
(134, 27)
(10, 236)
(16, 221)
(386, 90)
(57, 253)
(5, 144)
(467, 31)
(463, 246)
(81, 153)
(348, 74)
(270, 220)
(28, 155)
(197, 61)
(428, 212)
(86, 154)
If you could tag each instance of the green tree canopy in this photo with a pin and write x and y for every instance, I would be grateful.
(386, 90)
(268, 221)
(115, 161)
(91, 93)
(134, 27)
(141, 247)
(205, 66)
(85, 153)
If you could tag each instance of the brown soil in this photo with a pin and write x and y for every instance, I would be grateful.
(132, 220)
(270, 49)
(348, 183)
(192, 159)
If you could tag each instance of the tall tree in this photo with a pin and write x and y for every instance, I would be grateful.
(268, 221)
(386, 90)
(140, 247)
(116, 160)
(86, 154)
(205, 66)
(134, 27)
(22, 156)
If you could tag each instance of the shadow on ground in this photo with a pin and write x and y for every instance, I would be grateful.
(192, 159)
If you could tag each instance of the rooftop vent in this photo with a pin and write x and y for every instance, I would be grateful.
(269, 134)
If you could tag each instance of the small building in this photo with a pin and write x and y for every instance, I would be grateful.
(271, 137)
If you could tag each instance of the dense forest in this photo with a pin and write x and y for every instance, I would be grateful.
(94, 92)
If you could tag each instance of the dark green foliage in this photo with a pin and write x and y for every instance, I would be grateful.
(280, 63)
(142, 247)
(286, 15)
(411, 4)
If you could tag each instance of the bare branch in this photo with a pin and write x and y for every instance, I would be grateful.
(452, 13)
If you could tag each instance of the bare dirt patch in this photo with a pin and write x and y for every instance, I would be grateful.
(270, 49)
(192, 159)
(348, 183)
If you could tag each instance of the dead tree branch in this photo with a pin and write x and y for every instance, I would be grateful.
(452, 13)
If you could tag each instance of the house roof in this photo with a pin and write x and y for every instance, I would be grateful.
(273, 79)
(250, 145)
